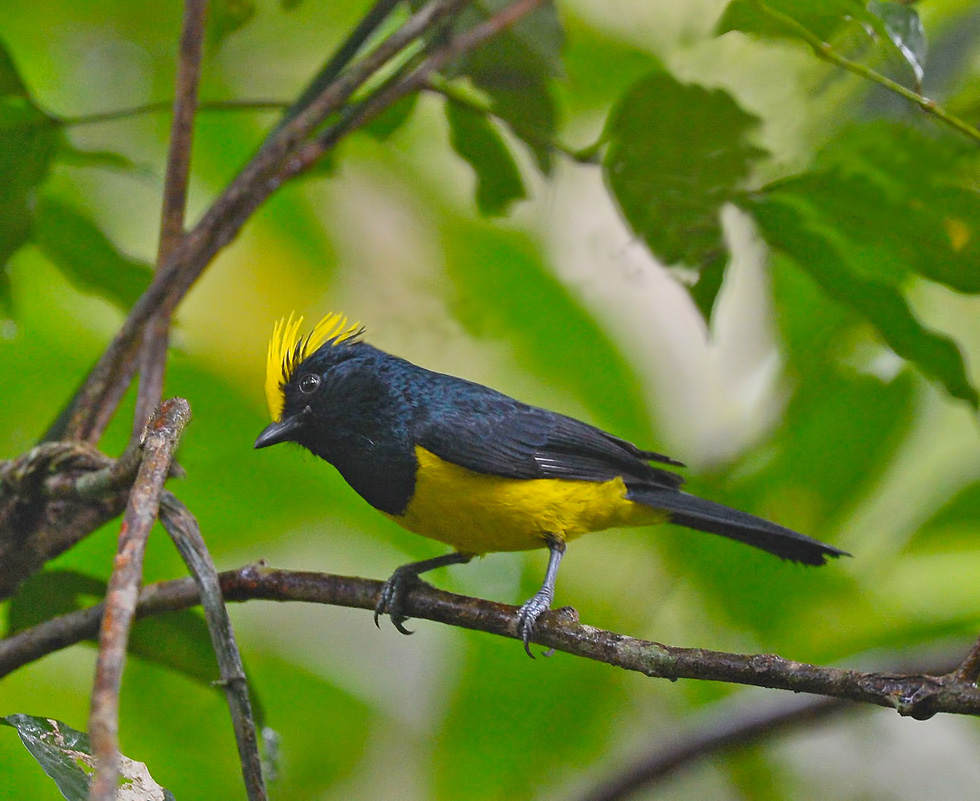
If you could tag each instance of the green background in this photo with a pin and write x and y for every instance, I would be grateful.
(788, 405)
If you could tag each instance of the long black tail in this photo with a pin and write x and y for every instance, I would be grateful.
(697, 513)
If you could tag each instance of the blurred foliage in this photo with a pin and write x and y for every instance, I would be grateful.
(66, 756)
(871, 245)
(648, 168)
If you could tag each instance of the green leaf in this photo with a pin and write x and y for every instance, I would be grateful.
(531, 46)
(499, 757)
(106, 159)
(392, 118)
(838, 433)
(904, 29)
(884, 202)
(704, 291)
(6, 299)
(677, 153)
(778, 19)
(29, 139)
(86, 256)
(51, 593)
(514, 69)
(17, 112)
(586, 89)
(65, 755)
(824, 254)
(10, 80)
(874, 176)
(846, 23)
(529, 111)
(181, 641)
(476, 140)
(953, 526)
(226, 17)
(177, 640)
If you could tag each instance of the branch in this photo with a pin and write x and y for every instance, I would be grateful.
(186, 534)
(225, 218)
(349, 48)
(735, 725)
(57, 527)
(400, 86)
(726, 731)
(969, 670)
(51, 497)
(916, 695)
(156, 338)
(101, 117)
(161, 438)
(827, 53)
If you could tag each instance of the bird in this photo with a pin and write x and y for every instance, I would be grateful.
(473, 468)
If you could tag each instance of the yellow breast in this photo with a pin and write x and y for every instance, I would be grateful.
(478, 513)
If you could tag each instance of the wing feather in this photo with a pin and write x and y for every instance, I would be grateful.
(488, 432)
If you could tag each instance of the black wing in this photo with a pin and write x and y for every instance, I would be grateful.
(488, 432)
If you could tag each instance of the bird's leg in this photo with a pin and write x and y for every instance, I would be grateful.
(403, 579)
(540, 602)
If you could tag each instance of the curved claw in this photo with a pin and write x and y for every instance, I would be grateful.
(406, 577)
(397, 621)
(527, 617)
(391, 596)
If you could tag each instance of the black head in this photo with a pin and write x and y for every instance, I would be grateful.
(315, 383)
(343, 400)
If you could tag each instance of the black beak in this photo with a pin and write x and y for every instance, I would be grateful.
(282, 431)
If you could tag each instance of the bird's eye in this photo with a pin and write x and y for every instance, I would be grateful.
(308, 383)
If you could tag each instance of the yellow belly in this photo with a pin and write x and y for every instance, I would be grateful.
(477, 513)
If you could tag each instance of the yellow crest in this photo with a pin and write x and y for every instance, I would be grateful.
(287, 349)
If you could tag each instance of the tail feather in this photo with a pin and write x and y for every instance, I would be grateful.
(714, 518)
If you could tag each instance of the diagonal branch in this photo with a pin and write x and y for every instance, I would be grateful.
(826, 52)
(349, 48)
(917, 695)
(415, 81)
(726, 732)
(161, 438)
(186, 534)
(156, 338)
(734, 725)
(969, 670)
(225, 218)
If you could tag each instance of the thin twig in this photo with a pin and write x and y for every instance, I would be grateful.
(400, 86)
(725, 731)
(969, 670)
(101, 117)
(162, 436)
(740, 723)
(916, 695)
(156, 337)
(121, 473)
(186, 534)
(827, 53)
(41, 513)
(225, 218)
(52, 496)
(349, 48)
